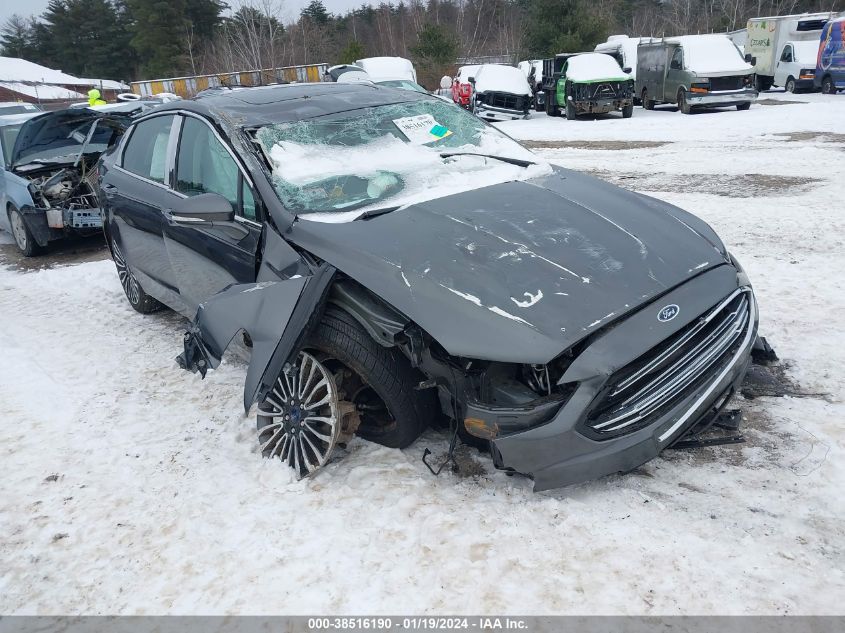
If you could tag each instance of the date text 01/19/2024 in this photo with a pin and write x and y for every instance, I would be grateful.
(423, 623)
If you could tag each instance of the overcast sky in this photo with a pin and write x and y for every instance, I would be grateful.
(290, 8)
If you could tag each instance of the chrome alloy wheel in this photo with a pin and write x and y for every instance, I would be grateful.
(300, 420)
(127, 279)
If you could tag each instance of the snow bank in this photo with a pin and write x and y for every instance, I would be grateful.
(498, 78)
(592, 66)
(712, 54)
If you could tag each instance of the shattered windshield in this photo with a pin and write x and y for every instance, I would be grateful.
(334, 168)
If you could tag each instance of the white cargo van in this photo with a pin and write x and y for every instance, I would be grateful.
(767, 38)
(388, 68)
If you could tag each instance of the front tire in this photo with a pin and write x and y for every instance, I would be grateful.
(23, 237)
(790, 85)
(138, 299)
(378, 380)
(683, 105)
(828, 87)
(628, 111)
(743, 106)
(570, 111)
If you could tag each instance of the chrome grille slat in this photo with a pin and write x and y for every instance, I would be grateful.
(676, 368)
(703, 322)
(716, 336)
(682, 381)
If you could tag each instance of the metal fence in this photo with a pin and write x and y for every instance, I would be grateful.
(187, 87)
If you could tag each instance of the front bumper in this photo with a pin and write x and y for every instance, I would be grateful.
(601, 106)
(498, 114)
(722, 98)
(559, 453)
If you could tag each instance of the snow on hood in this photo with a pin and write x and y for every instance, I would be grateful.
(712, 55)
(593, 66)
(465, 72)
(496, 78)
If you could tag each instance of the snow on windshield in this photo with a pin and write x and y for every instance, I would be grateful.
(712, 54)
(496, 78)
(336, 167)
(592, 66)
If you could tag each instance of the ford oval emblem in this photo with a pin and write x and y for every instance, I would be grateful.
(667, 313)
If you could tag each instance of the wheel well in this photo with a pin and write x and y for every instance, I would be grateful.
(381, 321)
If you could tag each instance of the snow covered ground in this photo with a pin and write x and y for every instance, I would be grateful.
(129, 486)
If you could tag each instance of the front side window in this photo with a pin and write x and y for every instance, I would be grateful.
(787, 54)
(146, 151)
(337, 166)
(677, 60)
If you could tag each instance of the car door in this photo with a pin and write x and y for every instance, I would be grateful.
(208, 257)
(137, 193)
(674, 76)
(784, 69)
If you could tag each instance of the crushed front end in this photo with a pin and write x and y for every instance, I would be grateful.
(602, 97)
(631, 390)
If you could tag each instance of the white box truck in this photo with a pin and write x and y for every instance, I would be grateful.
(767, 37)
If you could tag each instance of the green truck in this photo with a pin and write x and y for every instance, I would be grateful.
(587, 83)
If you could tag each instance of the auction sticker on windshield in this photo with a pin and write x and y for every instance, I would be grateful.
(422, 129)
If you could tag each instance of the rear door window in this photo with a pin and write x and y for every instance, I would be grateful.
(146, 151)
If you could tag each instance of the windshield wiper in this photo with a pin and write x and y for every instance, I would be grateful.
(372, 213)
(505, 159)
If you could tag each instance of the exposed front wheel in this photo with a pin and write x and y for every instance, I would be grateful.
(628, 111)
(344, 384)
(790, 84)
(683, 104)
(138, 299)
(570, 111)
(23, 237)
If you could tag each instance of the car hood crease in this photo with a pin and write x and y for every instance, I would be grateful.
(520, 271)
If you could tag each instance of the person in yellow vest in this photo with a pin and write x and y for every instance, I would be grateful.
(94, 97)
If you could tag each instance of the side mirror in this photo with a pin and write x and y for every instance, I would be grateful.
(750, 60)
(206, 207)
(471, 80)
(627, 70)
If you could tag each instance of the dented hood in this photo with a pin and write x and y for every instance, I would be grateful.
(520, 271)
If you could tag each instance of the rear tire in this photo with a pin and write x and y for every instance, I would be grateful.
(648, 104)
(628, 111)
(790, 85)
(683, 105)
(393, 413)
(23, 237)
(138, 299)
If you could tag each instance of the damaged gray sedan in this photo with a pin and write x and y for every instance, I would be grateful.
(394, 262)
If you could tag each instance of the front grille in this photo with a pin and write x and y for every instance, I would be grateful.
(601, 91)
(506, 100)
(639, 393)
(725, 83)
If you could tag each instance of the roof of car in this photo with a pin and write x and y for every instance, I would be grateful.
(15, 119)
(249, 107)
